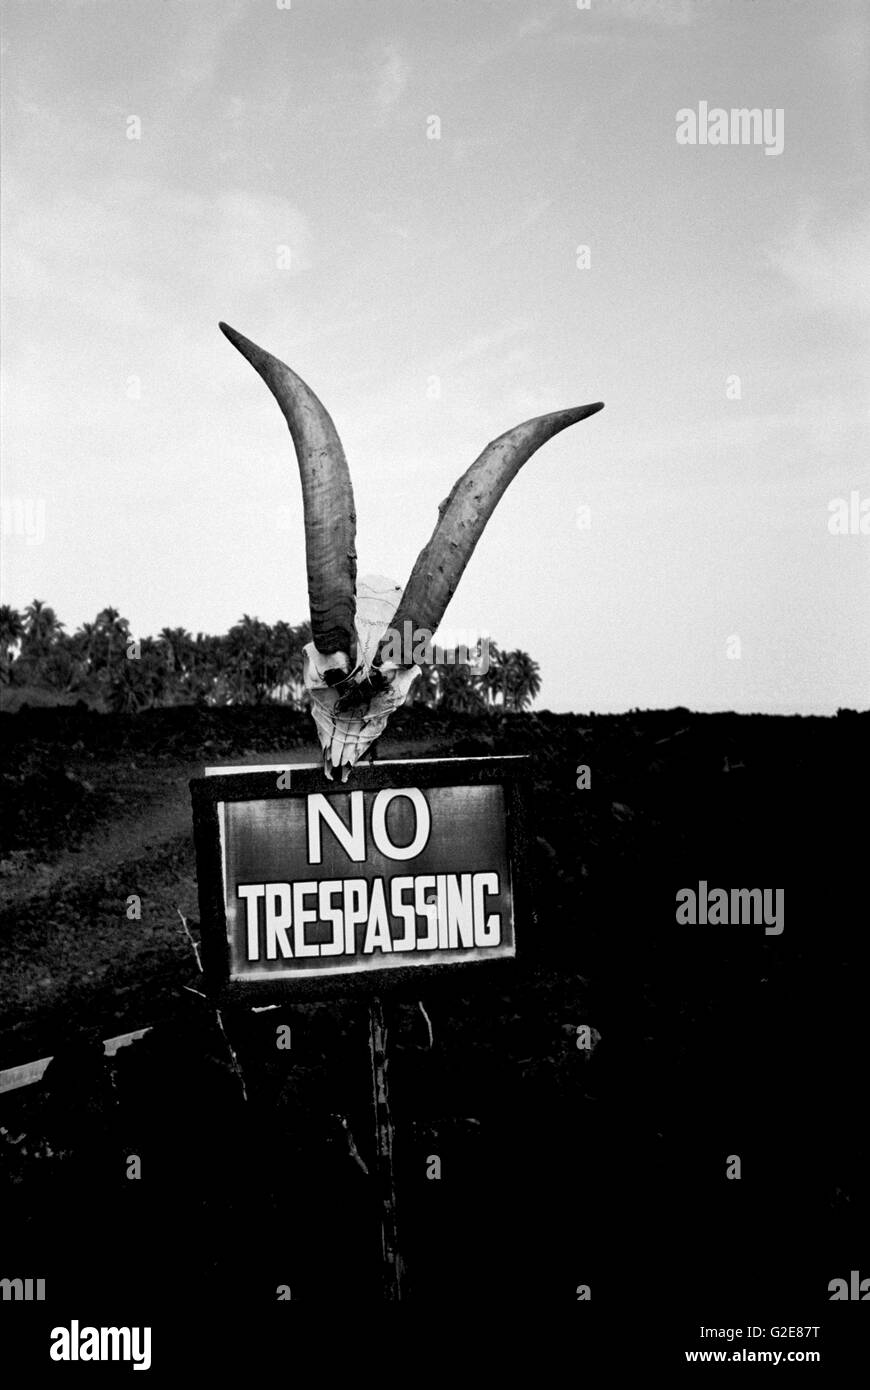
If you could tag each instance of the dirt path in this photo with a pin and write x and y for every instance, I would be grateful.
(158, 812)
(72, 955)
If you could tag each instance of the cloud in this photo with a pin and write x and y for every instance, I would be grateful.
(528, 218)
(464, 148)
(479, 345)
(847, 48)
(201, 44)
(827, 266)
(516, 39)
(235, 111)
(534, 24)
(673, 13)
(391, 77)
(129, 252)
(384, 223)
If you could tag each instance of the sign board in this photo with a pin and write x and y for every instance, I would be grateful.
(306, 884)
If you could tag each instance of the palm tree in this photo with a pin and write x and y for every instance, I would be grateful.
(491, 678)
(505, 668)
(81, 647)
(253, 662)
(11, 626)
(41, 626)
(424, 691)
(11, 632)
(151, 677)
(459, 691)
(178, 642)
(248, 643)
(87, 636)
(212, 661)
(201, 677)
(127, 689)
(178, 649)
(283, 660)
(60, 668)
(112, 631)
(301, 638)
(524, 678)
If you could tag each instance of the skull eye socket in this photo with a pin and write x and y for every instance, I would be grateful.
(336, 676)
(358, 695)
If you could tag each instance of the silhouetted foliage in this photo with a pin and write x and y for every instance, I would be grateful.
(254, 663)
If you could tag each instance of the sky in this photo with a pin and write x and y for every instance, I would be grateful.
(390, 197)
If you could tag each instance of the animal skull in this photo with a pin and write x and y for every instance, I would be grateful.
(353, 684)
(351, 713)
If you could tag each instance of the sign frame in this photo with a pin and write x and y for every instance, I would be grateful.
(511, 772)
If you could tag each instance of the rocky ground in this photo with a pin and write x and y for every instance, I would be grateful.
(559, 1167)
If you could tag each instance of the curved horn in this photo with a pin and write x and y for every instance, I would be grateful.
(327, 499)
(465, 513)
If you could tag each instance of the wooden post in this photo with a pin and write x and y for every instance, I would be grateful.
(391, 1259)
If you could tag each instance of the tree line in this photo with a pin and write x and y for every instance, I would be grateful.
(253, 663)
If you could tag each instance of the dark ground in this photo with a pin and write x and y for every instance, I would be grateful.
(558, 1168)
